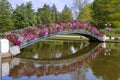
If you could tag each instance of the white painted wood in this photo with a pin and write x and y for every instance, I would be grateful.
(4, 46)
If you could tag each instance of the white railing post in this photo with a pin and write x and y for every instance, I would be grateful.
(4, 46)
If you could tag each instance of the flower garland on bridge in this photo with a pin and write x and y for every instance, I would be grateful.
(19, 37)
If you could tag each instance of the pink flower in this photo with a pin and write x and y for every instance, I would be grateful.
(18, 43)
(59, 28)
(32, 37)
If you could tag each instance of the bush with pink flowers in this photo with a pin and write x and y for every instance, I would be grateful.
(19, 37)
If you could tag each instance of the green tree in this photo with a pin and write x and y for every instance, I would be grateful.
(38, 17)
(66, 14)
(106, 12)
(114, 16)
(54, 13)
(6, 23)
(45, 14)
(86, 14)
(24, 16)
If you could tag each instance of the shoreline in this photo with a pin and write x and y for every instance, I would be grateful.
(66, 37)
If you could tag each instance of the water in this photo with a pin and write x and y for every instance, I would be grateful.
(64, 60)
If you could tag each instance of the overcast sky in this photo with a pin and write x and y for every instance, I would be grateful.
(39, 3)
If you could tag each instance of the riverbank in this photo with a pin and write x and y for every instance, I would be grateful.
(113, 39)
(82, 38)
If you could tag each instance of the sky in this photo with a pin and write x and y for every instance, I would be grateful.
(39, 3)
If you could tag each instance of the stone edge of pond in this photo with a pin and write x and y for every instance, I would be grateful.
(6, 55)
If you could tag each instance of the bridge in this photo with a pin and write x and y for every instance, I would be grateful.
(28, 36)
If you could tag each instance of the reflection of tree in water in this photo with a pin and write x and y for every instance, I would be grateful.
(51, 49)
(107, 66)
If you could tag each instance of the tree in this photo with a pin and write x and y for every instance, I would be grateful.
(24, 16)
(6, 23)
(78, 5)
(66, 14)
(114, 16)
(38, 17)
(54, 13)
(86, 14)
(45, 14)
(106, 12)
(31, 14)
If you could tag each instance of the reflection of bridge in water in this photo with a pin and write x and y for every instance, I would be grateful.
(29, 67)
(66, 60)
(55, 50)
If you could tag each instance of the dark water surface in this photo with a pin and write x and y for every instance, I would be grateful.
(64, 60)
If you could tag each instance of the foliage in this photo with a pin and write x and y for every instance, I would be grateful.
(66, 14)
(24, 16)
(54, 13)
(86, 14)
(106, 12)
(45, 14)
(6, 23)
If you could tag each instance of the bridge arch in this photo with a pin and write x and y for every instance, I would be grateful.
(28, 36)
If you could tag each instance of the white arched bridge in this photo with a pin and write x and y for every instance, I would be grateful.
(29, 36)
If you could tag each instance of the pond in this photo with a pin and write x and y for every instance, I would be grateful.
(64, 60)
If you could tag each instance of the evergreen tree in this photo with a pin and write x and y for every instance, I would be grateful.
(38, 17)
(6, 22)
(66, 14)
(54, 13)
(24, 16)
(45, 14)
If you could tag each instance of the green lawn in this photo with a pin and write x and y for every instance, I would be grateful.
(114, 32)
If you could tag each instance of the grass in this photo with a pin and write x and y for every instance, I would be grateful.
(69, 37)
(113, 41)
(115, 32)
